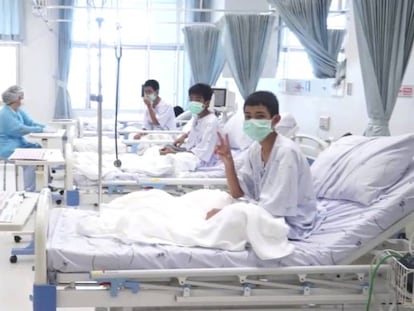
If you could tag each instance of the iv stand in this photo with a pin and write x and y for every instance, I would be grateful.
(98, 98)
(118, 55)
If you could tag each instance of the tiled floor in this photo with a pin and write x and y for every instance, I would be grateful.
(16, 280)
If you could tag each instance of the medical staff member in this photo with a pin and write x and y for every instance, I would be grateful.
(158, 114)
(201, 139)
(14, 125)
(275, 174)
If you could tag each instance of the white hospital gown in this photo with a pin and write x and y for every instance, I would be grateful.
(283, 186)
(202, 139)
(165, 115)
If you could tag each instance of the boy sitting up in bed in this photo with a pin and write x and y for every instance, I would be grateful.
(275, 174)
(201, 139)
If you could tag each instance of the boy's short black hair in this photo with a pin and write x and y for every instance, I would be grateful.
(152, 84)
(201, 89)
(265, 98)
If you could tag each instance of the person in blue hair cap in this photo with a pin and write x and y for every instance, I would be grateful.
(15, 123)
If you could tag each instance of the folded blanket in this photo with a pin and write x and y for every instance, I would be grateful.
(157, 217)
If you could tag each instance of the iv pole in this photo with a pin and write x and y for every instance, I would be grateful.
(118, 55)
(99, 99)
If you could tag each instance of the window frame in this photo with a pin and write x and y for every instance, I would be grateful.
(16, 46)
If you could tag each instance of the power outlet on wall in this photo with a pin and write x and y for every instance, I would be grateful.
(324, 123)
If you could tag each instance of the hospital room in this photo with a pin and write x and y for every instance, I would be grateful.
(206, 155)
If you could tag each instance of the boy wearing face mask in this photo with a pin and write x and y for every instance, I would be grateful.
(158, 114)
(275, 173)
(201, 139)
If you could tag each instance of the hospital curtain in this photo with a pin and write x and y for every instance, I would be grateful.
(307, 19)
(246, 45)
(63, 107)
(385, 33)
(11, 20)
(205, 52)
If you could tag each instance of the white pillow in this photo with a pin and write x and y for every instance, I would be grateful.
(287, 125)
(358, 169)
(234, 128)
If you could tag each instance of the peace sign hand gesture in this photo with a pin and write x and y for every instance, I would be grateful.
(223, 149)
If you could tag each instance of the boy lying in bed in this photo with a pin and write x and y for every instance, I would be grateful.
(275, 174)
(201, 139)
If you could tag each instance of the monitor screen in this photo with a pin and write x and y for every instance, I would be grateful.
(219, 97)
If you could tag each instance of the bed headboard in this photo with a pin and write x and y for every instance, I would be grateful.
(310, 145)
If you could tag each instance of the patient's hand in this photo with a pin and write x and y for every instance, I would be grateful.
(147, 101)
(138, 135)
(223, 148)
(180, 140)
(166, 150)
(212, 212)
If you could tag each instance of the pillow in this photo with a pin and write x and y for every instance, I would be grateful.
(234, 128)
(287, 125)
(359, 169)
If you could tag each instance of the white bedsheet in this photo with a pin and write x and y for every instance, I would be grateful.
(157, 217)
(146, 141)
(90, 144)
(150, 164)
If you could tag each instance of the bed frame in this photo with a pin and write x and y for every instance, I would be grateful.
(290, 288)
(310, 145)
(173, 185)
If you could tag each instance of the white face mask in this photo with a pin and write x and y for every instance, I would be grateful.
(256, 129)
(152, 97)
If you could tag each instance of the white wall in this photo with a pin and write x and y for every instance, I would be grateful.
(348, 113)
(38, 66)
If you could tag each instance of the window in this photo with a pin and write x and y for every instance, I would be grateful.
(152, 48)
(8, 65)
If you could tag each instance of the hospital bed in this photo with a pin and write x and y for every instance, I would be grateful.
(328, 268)
(94, 272)
(119, 180)
(310, 145)
(125, 179)
(87, 126)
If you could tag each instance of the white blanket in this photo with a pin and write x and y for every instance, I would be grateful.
(151, 164)
(152, 140)
(90, 144)
(155, 216)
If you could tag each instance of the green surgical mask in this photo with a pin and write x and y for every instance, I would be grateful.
(196, 107)
(257, 129)
(152, 97)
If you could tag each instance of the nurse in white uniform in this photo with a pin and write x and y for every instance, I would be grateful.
(275, 173)
(202, 138)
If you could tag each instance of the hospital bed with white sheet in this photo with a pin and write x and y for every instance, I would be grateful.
(136, 171)
(163, 172)
(359, 212)
(87, 126)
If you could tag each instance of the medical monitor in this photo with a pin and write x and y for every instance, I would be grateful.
(223, 100)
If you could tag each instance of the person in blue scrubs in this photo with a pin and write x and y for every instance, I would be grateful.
(15, 123)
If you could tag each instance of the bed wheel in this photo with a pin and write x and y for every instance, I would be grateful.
(17, 238)
(13, 259)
